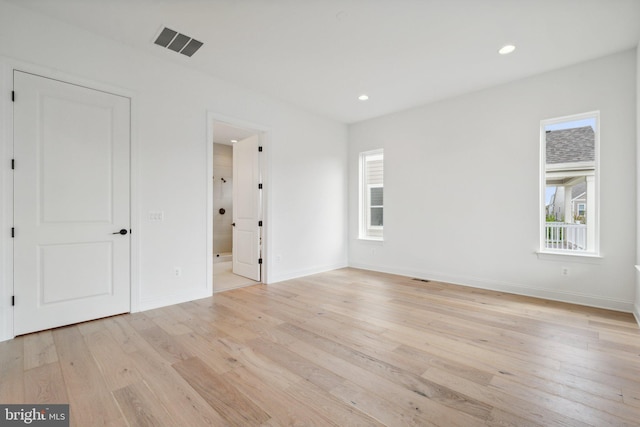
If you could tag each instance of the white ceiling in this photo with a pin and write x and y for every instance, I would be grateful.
(322, 54)
(224, 133)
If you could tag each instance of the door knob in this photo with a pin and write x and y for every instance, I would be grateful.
(123, 232)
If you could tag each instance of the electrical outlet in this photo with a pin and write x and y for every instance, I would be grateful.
(177, 271)
(565, 271)
(278, 258)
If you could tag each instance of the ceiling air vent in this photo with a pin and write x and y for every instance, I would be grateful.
(178, 42)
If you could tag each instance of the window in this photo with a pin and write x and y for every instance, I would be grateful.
(371, 195)
(569, 169)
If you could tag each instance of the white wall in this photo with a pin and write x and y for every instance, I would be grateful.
(636, 310)
(306, 200)
(462, 186)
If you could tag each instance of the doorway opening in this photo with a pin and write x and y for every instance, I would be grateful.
(236, 205)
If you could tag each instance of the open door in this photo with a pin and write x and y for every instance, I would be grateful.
(247, 208)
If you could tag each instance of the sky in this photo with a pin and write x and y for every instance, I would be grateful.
(573, 124)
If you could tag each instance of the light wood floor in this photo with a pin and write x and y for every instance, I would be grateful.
(342, 348)
(224, 279)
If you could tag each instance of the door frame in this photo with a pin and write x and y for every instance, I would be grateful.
(7, 66)
(264, 135)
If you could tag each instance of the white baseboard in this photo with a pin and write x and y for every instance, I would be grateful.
(512, 288)
(636, 313)
(307, 272)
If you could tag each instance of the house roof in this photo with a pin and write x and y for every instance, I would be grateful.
(570, 145)
(578, 189)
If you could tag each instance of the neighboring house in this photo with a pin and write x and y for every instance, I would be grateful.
(579, 202)
(555, 207)
(570, 168)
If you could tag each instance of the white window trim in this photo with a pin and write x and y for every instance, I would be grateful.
(363, 200)
(595, 216)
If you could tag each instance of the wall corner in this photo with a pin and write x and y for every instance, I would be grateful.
(636, 306)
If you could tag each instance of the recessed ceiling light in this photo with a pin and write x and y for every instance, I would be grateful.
(363, 97)
(506, 49)
(234, 140)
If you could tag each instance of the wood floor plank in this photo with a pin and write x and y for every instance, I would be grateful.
(140, 407)
(505, 401)
(45, 384)
(165, 344)
(140, 321)
(412, 382)
(12, 371)
(39, 350)
(124, 334)
(500, 418)
(593, 410)
(505, 360)
(91, 403)
(341, 348)
(631, 397)
(259, 365)
(270, 397)
(210, 351)
(171, 325)
(418, 405)
(314, 374)
(221, 394)
(336, 409)
(116, 367)
(174, 393)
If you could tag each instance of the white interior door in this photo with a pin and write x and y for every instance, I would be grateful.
(71, 193)
(246, 208)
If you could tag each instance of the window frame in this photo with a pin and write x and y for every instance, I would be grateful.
(593, 248)
(366, 230)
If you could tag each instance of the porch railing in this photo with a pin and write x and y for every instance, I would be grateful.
(572, 237)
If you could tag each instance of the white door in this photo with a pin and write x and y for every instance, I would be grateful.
(71, 194)
(246, 208)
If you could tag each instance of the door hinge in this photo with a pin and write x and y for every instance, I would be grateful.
(260, 148)
(260, 186)
(13, 96)
(13, 232)
(259, 223)
(13, 300)
(259, 260)
(13, 163)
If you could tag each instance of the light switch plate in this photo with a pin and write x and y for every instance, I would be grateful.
(156, 216)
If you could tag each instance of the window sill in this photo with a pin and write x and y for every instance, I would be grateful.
(371, 239)
(569, 256)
